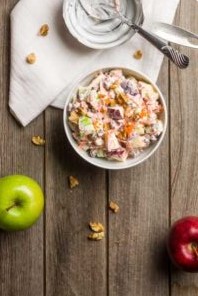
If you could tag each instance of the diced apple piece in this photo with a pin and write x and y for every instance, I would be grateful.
(93, 99)
(85, 125)
(130, 86)
(97, 153)
(96, 82)
(138, 142)
(157, 128)
(83, 92)
(120, 154)
(148, 91)
(111, 141)
(139, 129)
(116, 112)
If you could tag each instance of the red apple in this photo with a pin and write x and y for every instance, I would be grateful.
(183, 244)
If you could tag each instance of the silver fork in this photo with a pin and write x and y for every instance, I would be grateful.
(104, 12)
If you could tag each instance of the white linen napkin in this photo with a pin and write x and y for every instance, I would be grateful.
(61, 59)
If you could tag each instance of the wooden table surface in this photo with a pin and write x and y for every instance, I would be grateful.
(55, 257)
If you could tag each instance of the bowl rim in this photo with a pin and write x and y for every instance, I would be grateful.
(109, 164)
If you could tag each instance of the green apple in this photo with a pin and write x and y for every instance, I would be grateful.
(21, 202)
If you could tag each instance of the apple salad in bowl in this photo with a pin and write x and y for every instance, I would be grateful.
(115, 117)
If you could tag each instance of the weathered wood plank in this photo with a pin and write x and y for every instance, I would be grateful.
(75, 265)
(184, 145)
(137, 259)
(21, 259)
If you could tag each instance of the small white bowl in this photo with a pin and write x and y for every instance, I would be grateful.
(99, 35)
(105, 163)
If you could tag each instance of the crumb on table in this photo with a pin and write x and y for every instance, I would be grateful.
(73, 182)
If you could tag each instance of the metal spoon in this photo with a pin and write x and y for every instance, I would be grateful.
(103, 11)
(175, 34)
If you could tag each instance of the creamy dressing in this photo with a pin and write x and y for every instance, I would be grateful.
(95, 8)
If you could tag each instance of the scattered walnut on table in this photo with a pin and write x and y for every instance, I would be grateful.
(96, 236)
(31, 58)
(38, 141)
(44, 30)
(96, 227)
(114, 207)
(73, 182)
(138, 54)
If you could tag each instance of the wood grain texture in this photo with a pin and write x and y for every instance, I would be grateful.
(137, 256)
(54, 257)
(75, 266)
(21, 259)
(184, 145)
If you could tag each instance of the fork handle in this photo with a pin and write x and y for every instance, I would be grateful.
(179, 59)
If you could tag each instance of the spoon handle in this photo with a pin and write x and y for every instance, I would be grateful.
(179, 59)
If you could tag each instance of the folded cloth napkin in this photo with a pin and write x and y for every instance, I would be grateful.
(61, 59)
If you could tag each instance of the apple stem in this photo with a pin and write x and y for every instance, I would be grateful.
(11, 207)
(195, 249)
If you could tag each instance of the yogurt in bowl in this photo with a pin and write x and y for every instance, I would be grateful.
(101, 34)
(115, 118)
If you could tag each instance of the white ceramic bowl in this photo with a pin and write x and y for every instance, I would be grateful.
(103, 35)
(105, 163)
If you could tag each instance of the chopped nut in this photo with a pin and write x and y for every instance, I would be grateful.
(31, 58)
(138, 54)
(114, 207)
(44, 30)
(96, 236)
(74, 118)
(96, 227)
(38, 141)
(73, 182)
(114, 86)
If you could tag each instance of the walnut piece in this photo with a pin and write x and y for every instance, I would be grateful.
(31, 58)
(138, 54)
(114, 207)
(96, 227)
(44, 30)
(96, 236)
(74, 117)
(38, 141)
(73, 182)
